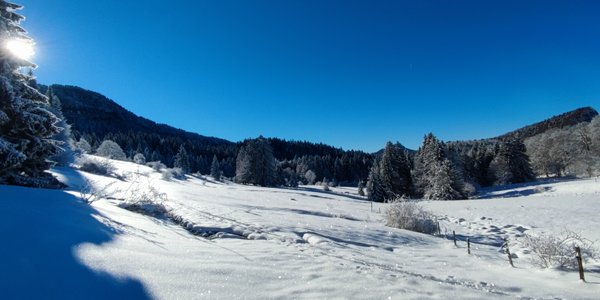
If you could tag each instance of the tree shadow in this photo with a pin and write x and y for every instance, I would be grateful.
(42, 230)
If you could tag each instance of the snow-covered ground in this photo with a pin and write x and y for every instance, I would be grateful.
(280, 243)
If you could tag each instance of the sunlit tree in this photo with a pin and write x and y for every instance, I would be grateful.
(26, 125)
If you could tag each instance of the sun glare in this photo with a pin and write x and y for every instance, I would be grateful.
(21, 48)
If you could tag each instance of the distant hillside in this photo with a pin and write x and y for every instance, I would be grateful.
(584, 114)
(89, 111)
(96, 118)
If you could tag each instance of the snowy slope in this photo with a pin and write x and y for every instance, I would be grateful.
(279, 243)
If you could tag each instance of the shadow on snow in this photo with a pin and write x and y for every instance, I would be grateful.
(42, 230)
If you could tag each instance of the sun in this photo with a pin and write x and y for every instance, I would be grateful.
(21, 48)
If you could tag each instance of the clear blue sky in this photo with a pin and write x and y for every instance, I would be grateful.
(353, 74)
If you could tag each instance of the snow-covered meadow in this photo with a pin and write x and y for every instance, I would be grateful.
(262, 243)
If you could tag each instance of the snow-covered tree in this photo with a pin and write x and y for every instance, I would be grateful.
(26, 125)
(375, 189)
(182, 160)
(112, 150)
(511, 164)
(84, 146)
(255, 163)
(66, 154)
(139, 158)
(215, 168)
(310, 177)
(434, 175)
(395, 172)
(361, 188)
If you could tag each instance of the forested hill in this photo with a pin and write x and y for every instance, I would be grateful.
(97, 118)
(90, 112)
(581, 115)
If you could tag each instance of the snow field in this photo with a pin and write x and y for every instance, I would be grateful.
(234, 241)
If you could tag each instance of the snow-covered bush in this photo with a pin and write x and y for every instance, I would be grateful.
(111, 150)
(156, 165)
(177, 173)
(558, 251)
(409, 215)
(325, 186)
(139, 159)
(95, 166)
(83, 146)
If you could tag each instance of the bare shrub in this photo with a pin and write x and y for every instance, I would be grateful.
(90, 191)
(95, 166)
(148, 201)
(409, 215)
(558, 250)
(144, 198)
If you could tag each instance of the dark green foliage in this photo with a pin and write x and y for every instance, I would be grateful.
(375, 188)
(182, 160)
(511, 164)
(215, 168)
(395, 172)
(581, 115)
(255, 163)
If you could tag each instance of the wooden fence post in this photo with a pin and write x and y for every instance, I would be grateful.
(454, 237)
(579, 263)
(468, 246)
(508, 253)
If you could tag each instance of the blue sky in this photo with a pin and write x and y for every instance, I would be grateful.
(353, 74)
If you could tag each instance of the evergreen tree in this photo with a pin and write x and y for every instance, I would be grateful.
(215, 169)
(361, 188)
(83, 146)
(255, 163)
(182, 160)
(395, 172)
(65, 143)
(511, 164)
(434, 174)
(375, 188)
(26, 126)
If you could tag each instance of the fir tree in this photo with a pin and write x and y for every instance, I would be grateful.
(511, 164)
(215, 169)
(395, 172)
(182, 160)
(255, 163)
(26, 125)
(65, 143)
(434, 174)
(375, 188)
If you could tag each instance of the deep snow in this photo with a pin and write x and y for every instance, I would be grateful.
(280, 243)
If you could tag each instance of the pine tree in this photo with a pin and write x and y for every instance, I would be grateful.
(375, 188)
(84, 146)
(434, 175)
(182, 160)
(255, 163)
(26, 125)
(511, 164)
(395, 172)
(215, 169)
(65, 143)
